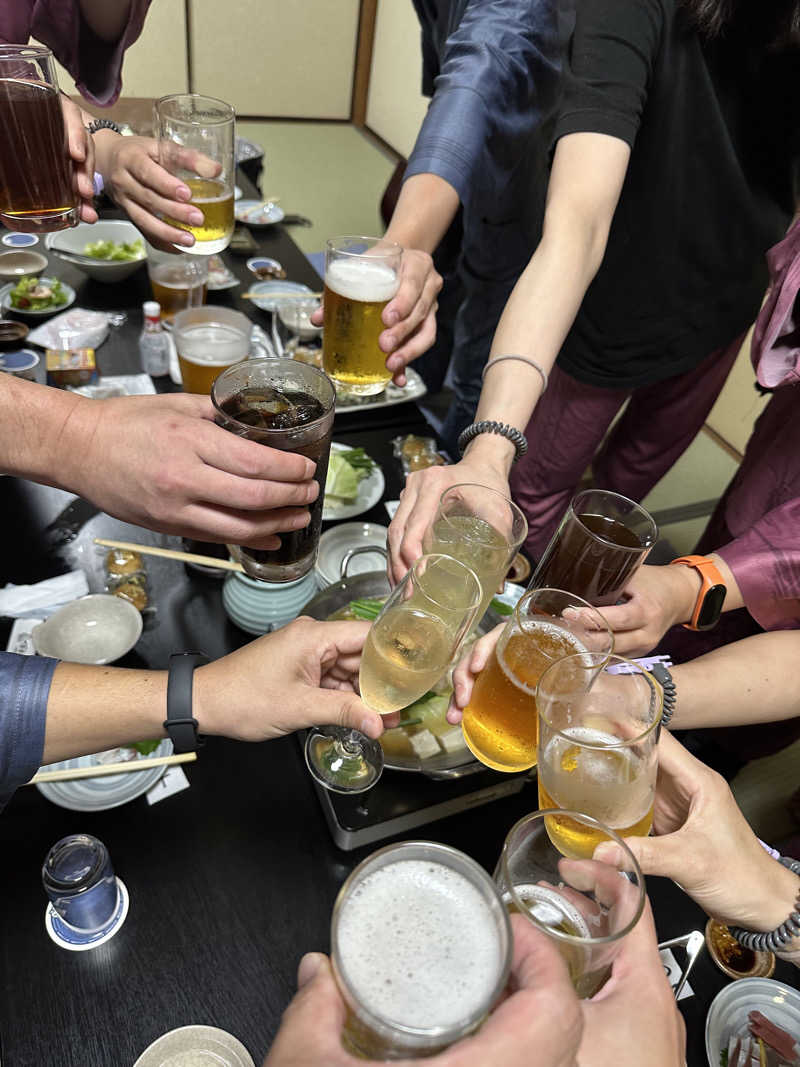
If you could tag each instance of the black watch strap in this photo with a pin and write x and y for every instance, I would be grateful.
(664, 679)
(179, 723)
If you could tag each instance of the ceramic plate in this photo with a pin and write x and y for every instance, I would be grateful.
(392, 394)
(5, 300)
(266, 295)
(194, 1045)
(246, 212)
(107, 791)
(730, 1007)
(370, 490)
(336, 543)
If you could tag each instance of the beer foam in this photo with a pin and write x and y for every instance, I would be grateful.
(419, 945)
(361, 279)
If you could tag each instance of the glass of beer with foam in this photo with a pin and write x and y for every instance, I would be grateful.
(598, 738)
(362, 274)
(421, 948)
(500, 722)
(584, 906)
(196, 144)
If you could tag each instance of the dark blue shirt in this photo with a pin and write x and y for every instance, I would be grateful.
(24, 689)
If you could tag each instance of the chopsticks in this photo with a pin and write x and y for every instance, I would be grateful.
(277, 294)
(66, 774)
(171, 553)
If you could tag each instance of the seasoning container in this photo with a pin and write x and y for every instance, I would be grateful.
(734, 959)
(416, 453)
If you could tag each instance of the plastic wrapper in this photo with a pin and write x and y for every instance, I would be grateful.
(75, 328)
(126, 577)
(416, 453)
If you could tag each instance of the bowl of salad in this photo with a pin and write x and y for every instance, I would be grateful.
(36, 297)
(108, 251)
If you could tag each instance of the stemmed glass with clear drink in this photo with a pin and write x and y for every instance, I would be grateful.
(482, 528)
(500, 722)
(408, 649)
(196, 143)
(585, 907)
(598, 738)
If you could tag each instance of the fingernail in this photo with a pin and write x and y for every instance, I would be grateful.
(308, 967)
(183, 193)
(312, 493)
(369, 726)
(609, 853)
(196, 218)
(392, 318)
(187, 239)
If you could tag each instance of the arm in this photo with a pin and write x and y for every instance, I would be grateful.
(160, 462)
(586, 180)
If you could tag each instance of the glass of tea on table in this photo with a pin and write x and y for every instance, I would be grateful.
(599, 544)
(36, 191)
(289, 406)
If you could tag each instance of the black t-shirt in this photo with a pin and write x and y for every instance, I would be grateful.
(713, 132)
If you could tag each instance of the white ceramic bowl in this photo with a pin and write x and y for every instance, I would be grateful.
(21, 264)
(732, 1005)
(95, 629)
(73, 243)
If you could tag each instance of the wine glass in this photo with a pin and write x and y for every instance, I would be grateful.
(408, 648)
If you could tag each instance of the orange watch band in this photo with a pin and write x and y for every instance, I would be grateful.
(708, 606)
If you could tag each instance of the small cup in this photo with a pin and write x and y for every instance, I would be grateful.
(80, 884)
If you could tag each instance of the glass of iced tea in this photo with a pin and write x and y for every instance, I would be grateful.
(289, 406)
(584, 906)
(598, 747)
(196, 143)
(362, 274)
(36, 189)
(599, 544)
(500, 723)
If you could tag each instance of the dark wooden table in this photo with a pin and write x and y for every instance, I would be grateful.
(232, 880)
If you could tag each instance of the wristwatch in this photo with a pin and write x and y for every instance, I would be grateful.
(708, 606)
(180, 723)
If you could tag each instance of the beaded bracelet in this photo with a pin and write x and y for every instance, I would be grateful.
(774, 940)
(516, 438)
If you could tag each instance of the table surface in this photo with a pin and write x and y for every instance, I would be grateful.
(232, 880)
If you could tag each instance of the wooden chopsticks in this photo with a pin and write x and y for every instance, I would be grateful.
(66, 774)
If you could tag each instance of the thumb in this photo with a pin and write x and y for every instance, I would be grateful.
(656, 855)
(341, 707)
(309, 967)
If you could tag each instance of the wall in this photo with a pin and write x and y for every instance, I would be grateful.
(395, 104)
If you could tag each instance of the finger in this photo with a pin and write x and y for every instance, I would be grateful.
(397, 566)
(390, 339)
(175, 157)
(308, 967)
(230, 527)
(428, 493)
(248, 459)
(310, 1031)
(88, 213)
(392, 720)
(149, 185)
(222, 489)
(454, 715)
(418, 343)
(156, 231)
(662, 856)
(343, 709)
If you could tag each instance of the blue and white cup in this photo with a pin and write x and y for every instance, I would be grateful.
(80, 884)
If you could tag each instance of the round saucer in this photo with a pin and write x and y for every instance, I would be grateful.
(74, 941)
(196, 1046)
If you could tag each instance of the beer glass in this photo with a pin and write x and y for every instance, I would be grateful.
(36, 190)
(421, 949)
(500, 723)
(288, 406)
(408, 649)
(178, 282)
(600, 543)
(361, 277)
(480, 527)
(208, 340)
(585, 907)
(196, 144)
(598, 737)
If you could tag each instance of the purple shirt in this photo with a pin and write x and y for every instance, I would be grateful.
(94, 64)
(24, 689)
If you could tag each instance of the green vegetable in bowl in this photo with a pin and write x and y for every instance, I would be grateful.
(345, 471)
(116, 251)
(145, 748)
(37, 294)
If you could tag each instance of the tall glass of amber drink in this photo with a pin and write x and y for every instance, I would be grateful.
(36, 190)
(598, 738)
(196, 144)
(500, 721)
(362, 274)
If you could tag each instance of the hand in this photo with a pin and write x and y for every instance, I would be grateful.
(302, 675)
(161, 462)
(419, 501)
(542, 1013)
(468, 669)
(410, 316)
(706, 845)
(140, 185)
(81, 152)
(634, 1018)
(657, 598)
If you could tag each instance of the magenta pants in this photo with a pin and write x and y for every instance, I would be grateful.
(571, 420)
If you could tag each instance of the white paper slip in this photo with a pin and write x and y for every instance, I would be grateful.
(20, 639)
(391, 507)
(674, 971)
(172, 781)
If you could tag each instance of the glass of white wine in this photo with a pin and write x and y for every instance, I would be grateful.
(483, 529)
(408, 648)
(196, 144)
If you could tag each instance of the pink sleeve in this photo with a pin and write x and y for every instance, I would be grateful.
(765, 562)
(95, 65)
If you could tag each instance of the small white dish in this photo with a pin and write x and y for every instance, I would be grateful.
(107, 790)
(731, 1007)
(370, 490)
(189, 1046)
(335, 544)
(266, 295)
(21, 263)
(247, 211)
(6, 305)
(94, 629)
(20, 240)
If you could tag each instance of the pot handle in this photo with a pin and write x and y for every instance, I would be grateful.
(353, 552)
